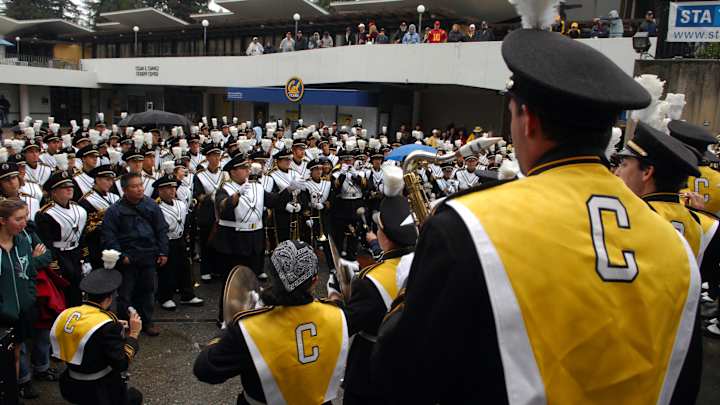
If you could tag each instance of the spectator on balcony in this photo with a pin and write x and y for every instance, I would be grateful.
(437, 34)
(486, 33)
(349, 37)
(361, 36)
(288, 43)
(617, 29)
(649, 25)
(574, 31)
(559, 25)
(372, 33)
(472, 35)
(326, 41)
(382, 37)
(456, 35)
(599, 30)
(269, 48)
(426, 35)
(4, 110)
(398, 36)
(314, 42)
(411, 37)
(255, 48)
(301, 43)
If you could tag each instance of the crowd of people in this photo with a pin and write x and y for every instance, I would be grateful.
(611, 26)
(224, 192)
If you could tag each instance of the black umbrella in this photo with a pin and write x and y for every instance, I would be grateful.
(154, 118)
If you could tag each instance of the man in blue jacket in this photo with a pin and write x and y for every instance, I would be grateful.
(135, 227)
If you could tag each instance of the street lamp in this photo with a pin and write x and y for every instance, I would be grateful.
(136, 29)
(296, 17)
(420, 10)
(17, 45)
(205, 24)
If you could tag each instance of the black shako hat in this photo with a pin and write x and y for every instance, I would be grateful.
(660, 149)
(550, 73)
(101, 282)
(694, 136)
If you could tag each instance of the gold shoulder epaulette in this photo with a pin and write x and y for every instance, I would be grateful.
(325, 300)
(47, 206)
(111, 315)
(251, 312)
(369, 268)
(85, 196)
(24, 194)
(158, 200)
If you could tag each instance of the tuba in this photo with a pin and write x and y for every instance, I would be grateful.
(417, 197)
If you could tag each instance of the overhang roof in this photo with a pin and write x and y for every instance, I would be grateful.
(488, 10)
(10, 26)
(146, 18)
(262, 10)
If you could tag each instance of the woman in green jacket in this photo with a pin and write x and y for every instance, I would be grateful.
(21, 253)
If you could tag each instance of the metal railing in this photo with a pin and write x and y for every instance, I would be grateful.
(38, 61)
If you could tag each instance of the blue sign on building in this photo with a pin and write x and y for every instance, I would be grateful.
(341, 97)
(696, 21)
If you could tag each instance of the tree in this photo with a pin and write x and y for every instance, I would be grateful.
(28, 9)
(181, 9)
(96, 7)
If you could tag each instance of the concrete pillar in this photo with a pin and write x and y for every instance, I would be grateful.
(417, 104)
(2, 48)
(24, 101)
(205, 104)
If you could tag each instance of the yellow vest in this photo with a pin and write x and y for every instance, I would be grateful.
(709, 224)
(384, 277)
(707, 185)
(679, 217)
(593, 295)
(73, 328)
(299, 352)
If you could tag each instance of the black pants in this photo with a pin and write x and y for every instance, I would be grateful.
(207, 253)
(71, 269)
(109, 390)
(137, 290)
(176, 274)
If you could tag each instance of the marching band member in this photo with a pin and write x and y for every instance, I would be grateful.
(569, 229)
(205, 183)
(299, 161)
(35, 171)
(61, 224)
(176, 274)
(92, 342)
(149, 170)
(53, 144)
(133, 159)
(10, 185)
(374, 290)
(83, 181)
(707, 184)
(315, 198)
(466, 176)
(291, 351)
(446, 185)
(348, 185)
(281, 178)
(95, 202)
(196, 157)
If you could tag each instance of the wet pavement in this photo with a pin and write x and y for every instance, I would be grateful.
(162, 370)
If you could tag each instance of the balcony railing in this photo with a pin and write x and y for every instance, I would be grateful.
(38, 61)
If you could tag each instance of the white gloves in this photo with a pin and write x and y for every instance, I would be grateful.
(86, 268)
(296, 185)
(333, 285)
(292, 207)
(318, 206)
(309, 223)
(244, 189)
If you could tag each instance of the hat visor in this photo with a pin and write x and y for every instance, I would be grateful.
(710, 157)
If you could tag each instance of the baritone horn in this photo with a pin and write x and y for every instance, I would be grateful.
(418, 199)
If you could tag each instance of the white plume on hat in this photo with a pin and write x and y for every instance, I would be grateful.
(202, 138)
(148, 137)
(17, 145)
(138, 139)
(62, 161)
(384, 140)
(280, 123)
(677, 104)
(173, 132)
(249, 124)
(654, 114)
(204, 120)
(177, 152)
(393, 183)
(94, 136)
(194, 129)
(86, 123)
(243, 126)
(27, 120)
(214, 122)
(54, 128)
(110, 258)
(67, 140)
(29, 133)
(538, 14)
(288, 143)
(270, 133)
(614, 139)
(3, 155)
(73, 124)
(167, 167)
(300, 121)
(362, 144)
(181, 131)
(235, 120)
(22, 125)
(374, 144)
(183, 144)
(509, 169)
(266, 144)
(216, 137)
(123, 115)
(364, 133)
(115, 129)
(100, 117)
(245, 145)
(51, 120)
(233, 131)
(417, 135)
(115, 156)
(224, 119)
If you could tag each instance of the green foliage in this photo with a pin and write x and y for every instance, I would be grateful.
(709, 51)
(179, 8)
(34, 9)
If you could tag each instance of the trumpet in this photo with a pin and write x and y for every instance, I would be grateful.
(417, 197)
(295, 222)
(322, 238)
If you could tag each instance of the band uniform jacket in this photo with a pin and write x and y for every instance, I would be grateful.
(205, 183)
(708, 186)
(39, 174)
(229, 238)
(284, 355)
(95, 204)
(62, 231)
(372, 294)
(106, 353)
(551, 291)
